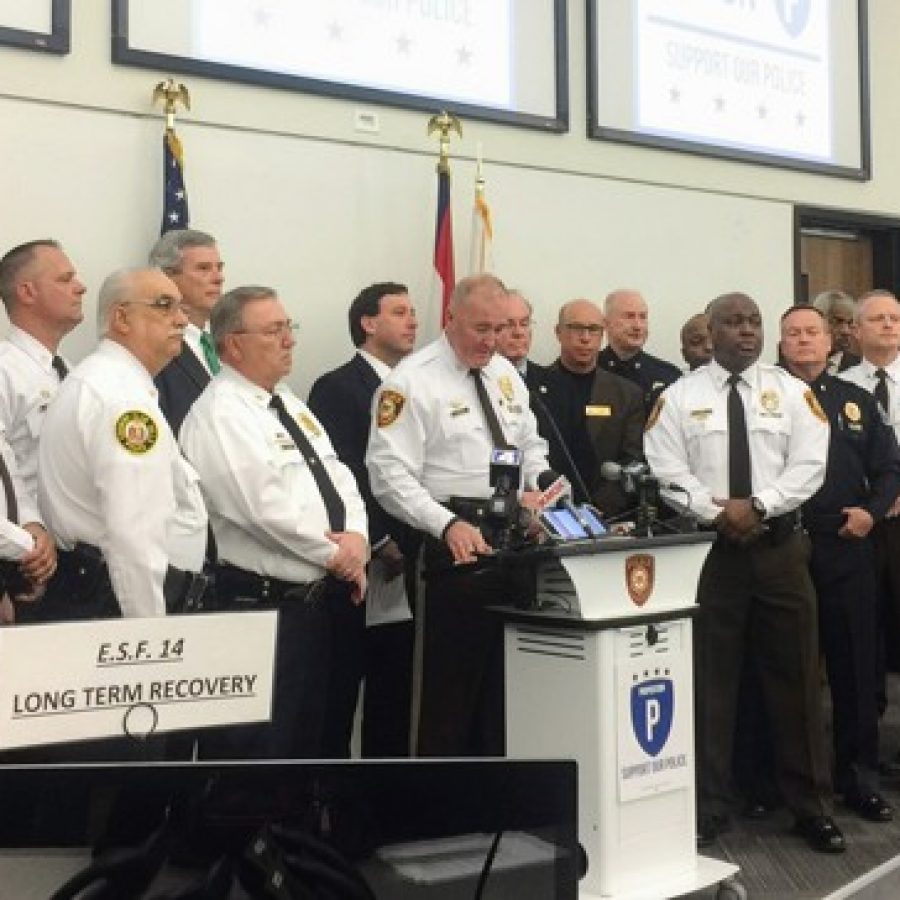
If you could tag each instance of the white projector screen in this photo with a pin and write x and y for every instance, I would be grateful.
(782, 82)
(502, 60)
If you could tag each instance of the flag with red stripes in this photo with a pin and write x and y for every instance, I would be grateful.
(443, 243)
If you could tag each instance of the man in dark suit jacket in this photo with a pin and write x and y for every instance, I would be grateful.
(598, 416)
(383, 329)
(191, 259)
(515, 341)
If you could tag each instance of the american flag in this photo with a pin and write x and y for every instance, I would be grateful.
(175, 205)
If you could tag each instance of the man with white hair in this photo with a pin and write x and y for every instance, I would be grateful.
(839, 310)
(122, 503)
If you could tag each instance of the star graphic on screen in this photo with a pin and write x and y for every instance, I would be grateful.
(403, 44)
(174, 217)
(674, 95)
(801, 119)
(762, 111)
(335, 31)
(179, 195)
(719, 104)
(464, 56)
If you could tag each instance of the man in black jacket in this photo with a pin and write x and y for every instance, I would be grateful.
(383, 329)
(191, 259)
(587, 415)
(861, 482)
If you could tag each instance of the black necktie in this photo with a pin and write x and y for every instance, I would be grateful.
(12, 505)
(881, 391)
(739, 483)
(334, 506)
(490, 413)
(61, 368)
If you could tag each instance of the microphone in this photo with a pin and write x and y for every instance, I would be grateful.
(555, 491)
(635, 475)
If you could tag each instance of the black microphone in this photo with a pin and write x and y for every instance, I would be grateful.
(555, 486)
(634, 475)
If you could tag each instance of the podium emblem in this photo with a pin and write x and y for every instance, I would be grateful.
(652, 703)
(640, 570)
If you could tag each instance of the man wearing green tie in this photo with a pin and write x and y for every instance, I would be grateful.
(191, 259)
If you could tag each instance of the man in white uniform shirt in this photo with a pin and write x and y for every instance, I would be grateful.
(114, 490)
(428, 459)
(748, 443)
(878, 334)
(288, 519)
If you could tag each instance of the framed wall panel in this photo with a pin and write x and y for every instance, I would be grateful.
(497, 60)
(778, 82)
(35, 24)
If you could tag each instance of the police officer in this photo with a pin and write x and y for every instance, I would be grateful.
(438, 416)
(861, 482)
(627, 330)
(117, 495)
(696, 347)
(749, 443)
(285, 512)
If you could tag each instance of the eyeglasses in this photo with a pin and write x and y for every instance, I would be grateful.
(584, 330)
(278, 330)
(168, 306)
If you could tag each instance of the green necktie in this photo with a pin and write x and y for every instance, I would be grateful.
(209, 351)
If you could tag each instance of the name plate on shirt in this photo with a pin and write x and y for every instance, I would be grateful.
(76, 681)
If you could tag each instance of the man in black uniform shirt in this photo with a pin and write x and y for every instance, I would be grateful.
(625, 314)
(861, 482)
(598, 416)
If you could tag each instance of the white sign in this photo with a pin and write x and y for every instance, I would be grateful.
(753, 75)
(74, 681)
(653, 726)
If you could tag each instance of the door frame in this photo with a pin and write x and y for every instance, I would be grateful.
(884, 232)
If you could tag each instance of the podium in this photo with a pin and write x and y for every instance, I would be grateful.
(602, 671)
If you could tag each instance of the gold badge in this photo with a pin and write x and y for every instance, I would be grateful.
(851, 411)
(598, 410)
(770, 401)
(640, 569)
(390, 405)
(504, 382)
(136, 431)
(814, 406)
(701, 415)
(653, 418)
(309, 424)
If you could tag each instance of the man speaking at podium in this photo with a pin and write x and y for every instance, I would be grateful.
(749, 444)
(439, 417)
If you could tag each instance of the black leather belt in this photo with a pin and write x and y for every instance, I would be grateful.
(236, 584)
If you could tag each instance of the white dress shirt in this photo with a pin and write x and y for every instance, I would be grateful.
(265, 507)
(864, 375)
(192, 336)
(111, 476)
(438, 444)
(687, 443)
(28, 382)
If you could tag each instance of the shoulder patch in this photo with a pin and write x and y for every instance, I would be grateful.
(390, 405)
(653, 418)
(137, 432)
(814, 406)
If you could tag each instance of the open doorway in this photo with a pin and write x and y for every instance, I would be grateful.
(845, 251)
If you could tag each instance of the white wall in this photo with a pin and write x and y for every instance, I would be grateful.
(301, 201)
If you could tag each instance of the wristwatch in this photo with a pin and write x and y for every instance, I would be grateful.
(758, 507)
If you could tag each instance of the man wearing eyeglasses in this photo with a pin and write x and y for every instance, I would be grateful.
(514, 342)
(288, 519)
(587, 415)
(120, 500)
(625, 313)
(191, 259)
